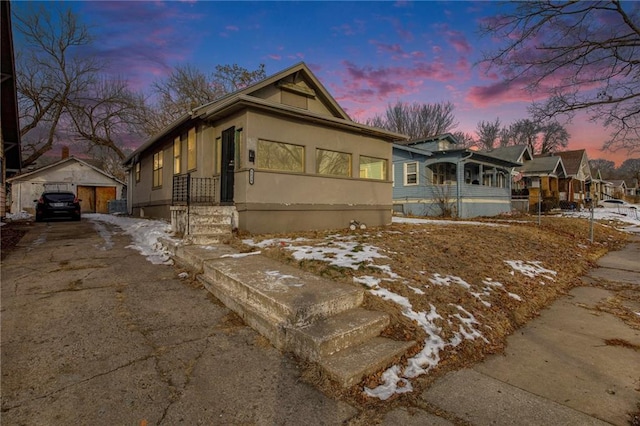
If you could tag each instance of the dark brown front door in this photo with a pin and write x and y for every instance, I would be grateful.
(228, 166)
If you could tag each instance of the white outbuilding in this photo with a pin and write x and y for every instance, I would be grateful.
(93, 186)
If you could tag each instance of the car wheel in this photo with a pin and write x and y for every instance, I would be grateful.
(76, 218)
(38, 218)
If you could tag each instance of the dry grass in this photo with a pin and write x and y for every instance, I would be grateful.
(472, 253)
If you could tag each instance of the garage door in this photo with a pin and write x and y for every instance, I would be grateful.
(95, 199)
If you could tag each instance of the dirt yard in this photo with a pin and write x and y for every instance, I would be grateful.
(474, 284)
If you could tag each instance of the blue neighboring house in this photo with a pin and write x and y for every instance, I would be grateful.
(435, 177)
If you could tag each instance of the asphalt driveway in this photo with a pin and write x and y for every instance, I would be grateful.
(93, 333)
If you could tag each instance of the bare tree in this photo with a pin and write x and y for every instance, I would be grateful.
(64, 95)
(504, 137)
(583, 55)
(188, 87)
(49, 76)
(630, 169)
(417, 120)
(183, 90)
(103, 117)
(465, 140)
(607, 168)
(229, 78)
(525, 132)
(488, 133)
(554, 137)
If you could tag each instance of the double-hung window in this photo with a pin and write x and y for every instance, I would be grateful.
(191, 150)
(158, 158)
(137, 171)
(177, 155)
(411, 173)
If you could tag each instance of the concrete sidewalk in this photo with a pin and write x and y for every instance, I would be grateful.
(558, 369)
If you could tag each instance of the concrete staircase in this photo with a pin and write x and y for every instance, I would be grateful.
(209, 224)
(317, 319)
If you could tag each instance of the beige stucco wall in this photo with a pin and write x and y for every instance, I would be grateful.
(281, 202)
(276, 201)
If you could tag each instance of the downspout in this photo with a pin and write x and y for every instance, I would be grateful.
(459, 174)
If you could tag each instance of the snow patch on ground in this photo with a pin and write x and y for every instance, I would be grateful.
(145, 235)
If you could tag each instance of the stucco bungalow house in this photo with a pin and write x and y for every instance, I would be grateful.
(280, 155)
(433, 177)
(92, 185)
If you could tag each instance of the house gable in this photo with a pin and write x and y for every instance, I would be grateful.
(514, 153)
(299, 89)
(576, 164)
(294, 87)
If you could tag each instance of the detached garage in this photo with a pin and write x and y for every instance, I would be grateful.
(90, 184)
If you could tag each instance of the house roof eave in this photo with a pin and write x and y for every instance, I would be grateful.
(59, 163)
(150, 142)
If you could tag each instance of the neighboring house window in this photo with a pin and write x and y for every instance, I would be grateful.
(443, 173)
(137, 171)
(191, 149)
(333, 163)
(411, 173)
(280, 156)
(177, 149)
(157, 168)
(373, 168)
(488, 179)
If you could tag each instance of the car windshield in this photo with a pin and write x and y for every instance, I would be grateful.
(59, 197)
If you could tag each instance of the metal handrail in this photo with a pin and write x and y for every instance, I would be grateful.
(192, 190)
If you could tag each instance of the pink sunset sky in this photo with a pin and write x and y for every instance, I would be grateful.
(367, 54)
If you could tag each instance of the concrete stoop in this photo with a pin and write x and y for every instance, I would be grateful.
(209, 224)
(317, 319)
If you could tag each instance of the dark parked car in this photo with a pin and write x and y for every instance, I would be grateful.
(57, 204)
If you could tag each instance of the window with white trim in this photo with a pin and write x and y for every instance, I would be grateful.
(411, 173)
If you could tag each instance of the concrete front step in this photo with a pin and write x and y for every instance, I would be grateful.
(204, 239)
(350, 365)
(210, 229)
(317, 319)
(327, 336)
(209, 219)
(194, 256)
(289, 295)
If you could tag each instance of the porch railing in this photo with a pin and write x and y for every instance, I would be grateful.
(189, 190)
